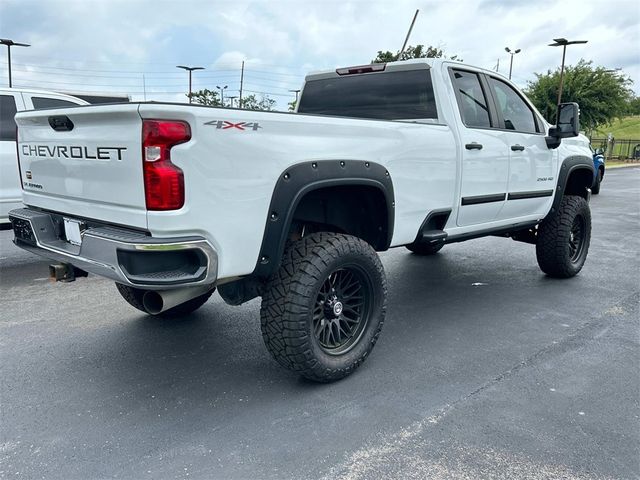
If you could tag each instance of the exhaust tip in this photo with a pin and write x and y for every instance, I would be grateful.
(152, 302)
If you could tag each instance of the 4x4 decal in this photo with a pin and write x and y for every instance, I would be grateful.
(226, 125)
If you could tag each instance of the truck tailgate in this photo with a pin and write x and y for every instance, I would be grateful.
(84, 161)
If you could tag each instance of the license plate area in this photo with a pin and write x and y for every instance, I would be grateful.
(73, 231)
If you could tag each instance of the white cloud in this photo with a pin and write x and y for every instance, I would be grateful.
(90, 45)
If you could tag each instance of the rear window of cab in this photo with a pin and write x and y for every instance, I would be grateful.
(395, 95)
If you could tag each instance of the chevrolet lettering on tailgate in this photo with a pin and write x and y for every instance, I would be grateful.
(72, 151)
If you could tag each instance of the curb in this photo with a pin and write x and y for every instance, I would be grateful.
(628, 165)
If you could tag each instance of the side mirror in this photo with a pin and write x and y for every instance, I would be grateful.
(568, 120)
(568, 124)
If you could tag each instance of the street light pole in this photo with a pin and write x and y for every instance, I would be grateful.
(10, 43)
(512, 53)
(563, 42)
(190, 70)
(222, 89)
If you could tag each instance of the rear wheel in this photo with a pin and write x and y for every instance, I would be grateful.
(564, 237)
(323, 310)
(133, 296)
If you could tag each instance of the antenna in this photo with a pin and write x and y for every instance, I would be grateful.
(404, 45)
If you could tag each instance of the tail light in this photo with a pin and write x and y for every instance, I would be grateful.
(163, 181)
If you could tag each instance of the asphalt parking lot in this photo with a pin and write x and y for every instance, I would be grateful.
(485, 369)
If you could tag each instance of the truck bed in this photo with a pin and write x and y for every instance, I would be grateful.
(231, 166)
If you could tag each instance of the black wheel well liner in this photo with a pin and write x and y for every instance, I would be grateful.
(574, 178)
(300, 181)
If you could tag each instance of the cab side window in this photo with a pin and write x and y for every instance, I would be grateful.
(472, 100)
(7, 112)
(516, 114)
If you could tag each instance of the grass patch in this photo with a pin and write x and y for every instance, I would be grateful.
(627, 128)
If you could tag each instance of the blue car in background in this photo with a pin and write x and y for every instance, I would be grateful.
(598, 164)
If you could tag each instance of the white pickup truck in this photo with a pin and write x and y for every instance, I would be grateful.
(14, 100)
(172, 200)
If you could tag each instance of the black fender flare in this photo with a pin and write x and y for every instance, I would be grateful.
(300, 179)
(570, 165)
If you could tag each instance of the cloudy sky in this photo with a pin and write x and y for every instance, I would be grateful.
(132, 47)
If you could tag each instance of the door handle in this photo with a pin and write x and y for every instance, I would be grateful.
(517, 148)
(473, 146)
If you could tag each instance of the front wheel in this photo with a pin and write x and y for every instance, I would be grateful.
(564, 237)
(323, 310)
(596, 184)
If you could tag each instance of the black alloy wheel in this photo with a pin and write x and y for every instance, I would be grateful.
(343, 307)
(577, 238)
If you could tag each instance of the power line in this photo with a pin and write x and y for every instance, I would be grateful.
(75, 69)
(124, 92)
(226, 77)
(58, 82)
(274, 73)
(139, 85)
(270, 87)
(169, 75)
(115, 62)
(134, 89)
(73, 79)
(67, 79)
(270, 93)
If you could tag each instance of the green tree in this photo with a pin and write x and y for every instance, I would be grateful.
(251, 102)
(419, 51)
(206, 97)
(603, 95)
(292, 105)
(633, 108)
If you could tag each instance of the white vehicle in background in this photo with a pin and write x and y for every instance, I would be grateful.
(13, 100)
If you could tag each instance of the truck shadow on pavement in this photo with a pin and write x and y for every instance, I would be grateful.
(432, 317)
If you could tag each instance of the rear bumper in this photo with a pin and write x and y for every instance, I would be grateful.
(126, 256)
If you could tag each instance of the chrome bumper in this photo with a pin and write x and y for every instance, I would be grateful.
(125, 256)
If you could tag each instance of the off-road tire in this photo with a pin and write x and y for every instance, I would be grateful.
(133, 296)
(291, 302)
(425, 248)
(560, 254)
(596, 184)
